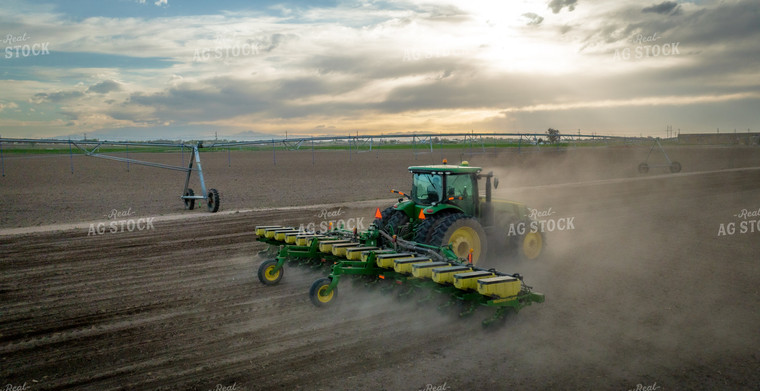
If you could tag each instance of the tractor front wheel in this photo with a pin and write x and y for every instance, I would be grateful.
(531, 245)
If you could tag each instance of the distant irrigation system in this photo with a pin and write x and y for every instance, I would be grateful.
(474, 143)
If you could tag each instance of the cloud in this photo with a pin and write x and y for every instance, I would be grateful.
(663, 8)
(105, 87)
(533, 19)
(157, 2)
(414, 66)
(557, 5)
(11, 105)
(56, 97)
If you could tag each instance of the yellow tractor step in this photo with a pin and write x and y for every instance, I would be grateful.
(404, 266)
(445, 275)
(501, 287)
(465, 281)
(425, 270)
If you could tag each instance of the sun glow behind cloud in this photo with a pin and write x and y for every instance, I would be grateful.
(375, 67)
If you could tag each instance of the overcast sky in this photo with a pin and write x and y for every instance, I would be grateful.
(185, 69)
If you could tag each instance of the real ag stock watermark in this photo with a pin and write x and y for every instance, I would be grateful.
(646, 47)
(119, 222)
(11, 387)
(331, 219)
(226, 48)
(431, 387)
(220, 387)
(21, 46)
(542, 221)
(749, 223)
(641, 387)
(427, 54)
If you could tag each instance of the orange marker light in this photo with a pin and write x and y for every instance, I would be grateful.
(378, 215)
(469, 256)
(422, 214)
(382, 277)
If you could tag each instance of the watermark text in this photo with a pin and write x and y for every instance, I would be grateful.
(750, 223)
(23, 49)
(645, 47)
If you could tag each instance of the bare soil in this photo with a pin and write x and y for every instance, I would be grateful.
(645, 290)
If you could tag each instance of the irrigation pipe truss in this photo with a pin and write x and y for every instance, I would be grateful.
(91, 148)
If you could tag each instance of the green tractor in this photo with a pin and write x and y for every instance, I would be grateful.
(445, 207)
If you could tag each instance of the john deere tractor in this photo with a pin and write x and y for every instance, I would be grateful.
(445, 207)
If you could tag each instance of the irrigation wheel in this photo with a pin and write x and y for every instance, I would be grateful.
(643, 168)
(462, 233)
(189, 203)
(318, 294)
(675, 167)
(212, 201)
(531, 245)
(267, 274)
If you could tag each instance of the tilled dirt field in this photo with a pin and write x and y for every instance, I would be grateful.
(650, 288)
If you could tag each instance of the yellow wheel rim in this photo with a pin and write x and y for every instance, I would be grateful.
(464, 239)
(532, 244)
(324, 297)
(270, 275)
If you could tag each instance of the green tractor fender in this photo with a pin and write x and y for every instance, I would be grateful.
(431, 211)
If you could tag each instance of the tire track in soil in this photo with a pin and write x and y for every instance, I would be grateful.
(181, 308)
(154, 312)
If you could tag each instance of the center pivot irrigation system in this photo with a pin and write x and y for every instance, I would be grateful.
(188, 195)
(421, 143)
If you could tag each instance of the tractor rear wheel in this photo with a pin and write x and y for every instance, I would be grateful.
(463, 234)
(393, 222)
(425, 229)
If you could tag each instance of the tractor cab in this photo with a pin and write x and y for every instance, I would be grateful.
(437, 185)
(444, 186)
